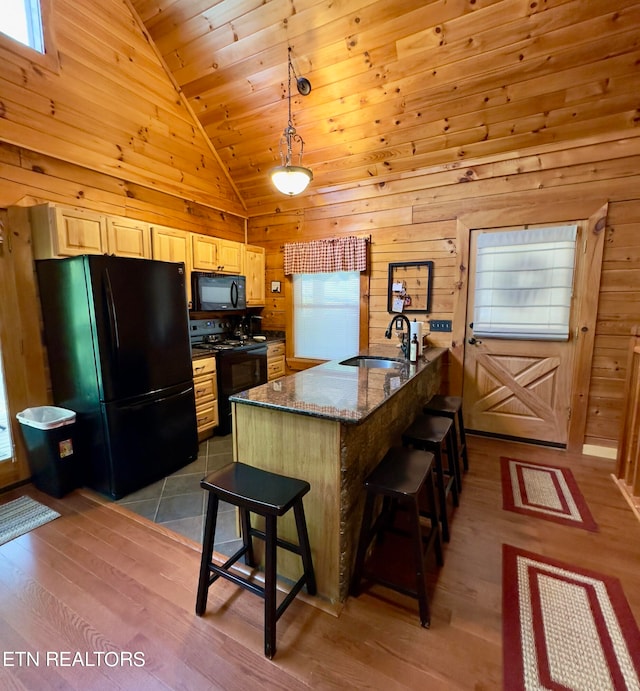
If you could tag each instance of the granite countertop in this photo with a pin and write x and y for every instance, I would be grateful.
(338, 392)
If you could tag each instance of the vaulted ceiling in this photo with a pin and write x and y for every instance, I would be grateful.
(397, 85)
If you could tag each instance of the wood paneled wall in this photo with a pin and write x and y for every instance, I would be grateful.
(27, 178)
(108, 105)
(419, 218)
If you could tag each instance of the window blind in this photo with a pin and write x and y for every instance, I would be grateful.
(326, 314)
(524, 281)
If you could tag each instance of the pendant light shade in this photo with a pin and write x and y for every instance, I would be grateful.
(288, 178)
(291, 180)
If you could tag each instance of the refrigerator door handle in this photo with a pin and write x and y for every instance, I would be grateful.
(156, 401)
(114, 338)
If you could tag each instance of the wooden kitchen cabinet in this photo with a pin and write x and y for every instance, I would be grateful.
(254, 265)
(216, 255)
(276, 366)
(205, 253)
(206, 393)
(231, 255)
(128, 238)
(173, 245)
(59, 231)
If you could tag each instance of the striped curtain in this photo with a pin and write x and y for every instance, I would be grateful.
(338, 254)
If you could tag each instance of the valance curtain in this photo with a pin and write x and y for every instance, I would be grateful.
(339, 254)
(524, 282)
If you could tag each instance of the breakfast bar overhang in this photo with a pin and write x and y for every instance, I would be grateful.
(330, 425)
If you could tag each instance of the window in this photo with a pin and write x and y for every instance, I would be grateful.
(6, 444)
(22, 21)
(326, 309)
(524, 282)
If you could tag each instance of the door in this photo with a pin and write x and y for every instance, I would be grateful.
(516, 387)
(148, 439)
(128, 238)
(141, 323)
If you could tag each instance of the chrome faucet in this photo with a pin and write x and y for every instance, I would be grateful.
(405, 342)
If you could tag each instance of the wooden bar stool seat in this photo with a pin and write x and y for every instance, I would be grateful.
(400, 478)
(269, 495)
(430, 433)
(451, 407)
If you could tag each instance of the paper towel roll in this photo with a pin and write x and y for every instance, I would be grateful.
(416, 328)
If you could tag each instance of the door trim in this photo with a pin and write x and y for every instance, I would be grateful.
(20, 329)
(587, 284)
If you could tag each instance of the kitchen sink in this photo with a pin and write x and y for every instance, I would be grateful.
(372, 361)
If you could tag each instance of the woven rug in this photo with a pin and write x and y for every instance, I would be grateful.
(565, 628)
(544, 491)
(21, 515)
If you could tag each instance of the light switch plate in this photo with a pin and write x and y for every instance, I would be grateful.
(440, 324)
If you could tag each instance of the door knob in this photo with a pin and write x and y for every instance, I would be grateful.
(473, 341)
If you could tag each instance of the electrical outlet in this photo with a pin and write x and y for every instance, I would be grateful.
(440, 325)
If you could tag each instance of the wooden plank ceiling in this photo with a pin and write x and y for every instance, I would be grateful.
(398, 85)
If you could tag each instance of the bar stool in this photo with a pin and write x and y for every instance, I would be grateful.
(451, 406)
(400, 477)
(429, 432)
(266, 494)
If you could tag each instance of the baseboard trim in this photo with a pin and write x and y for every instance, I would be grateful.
(601, 451)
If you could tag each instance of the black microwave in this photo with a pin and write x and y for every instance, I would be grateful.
(215, 292)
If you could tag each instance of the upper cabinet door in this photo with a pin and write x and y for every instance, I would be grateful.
(255, 273)
(66, 232)
(173, 245)
(231, 256)
(206, 253)
(128, 238)
(216, 255)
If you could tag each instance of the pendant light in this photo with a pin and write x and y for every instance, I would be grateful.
(287, 178)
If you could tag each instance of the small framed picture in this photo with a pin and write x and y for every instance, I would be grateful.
(275, 286)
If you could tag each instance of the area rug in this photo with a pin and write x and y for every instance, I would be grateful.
(21, 515)
(565, 628)
(544, 491)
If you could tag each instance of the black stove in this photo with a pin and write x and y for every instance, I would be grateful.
(217, 346)
(215, 335)
(241, 362)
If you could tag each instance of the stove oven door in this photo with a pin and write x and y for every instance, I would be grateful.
(238, 370)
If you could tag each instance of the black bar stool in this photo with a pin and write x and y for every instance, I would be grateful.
(400, 477)
(451, 407)
(270, 495)
(429, 432)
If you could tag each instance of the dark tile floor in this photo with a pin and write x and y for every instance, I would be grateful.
(178, 503)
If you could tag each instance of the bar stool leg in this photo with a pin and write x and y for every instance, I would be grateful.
(305, 548)
(418, 554)
(463, 441)
(453, 458)
(247, 539)
(271, 533)
(442, 495)
(363, 544)
(207, 551)
(433, 517)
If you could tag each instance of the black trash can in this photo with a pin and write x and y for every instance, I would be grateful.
(50, 437)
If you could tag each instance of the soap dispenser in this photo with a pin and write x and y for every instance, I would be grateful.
(413, 349)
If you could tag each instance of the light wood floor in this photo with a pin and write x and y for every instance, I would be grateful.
(99, 579)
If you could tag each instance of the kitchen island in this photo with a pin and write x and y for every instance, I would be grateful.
(330, 425)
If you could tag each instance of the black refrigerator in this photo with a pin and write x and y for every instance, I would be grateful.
(117, 338)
